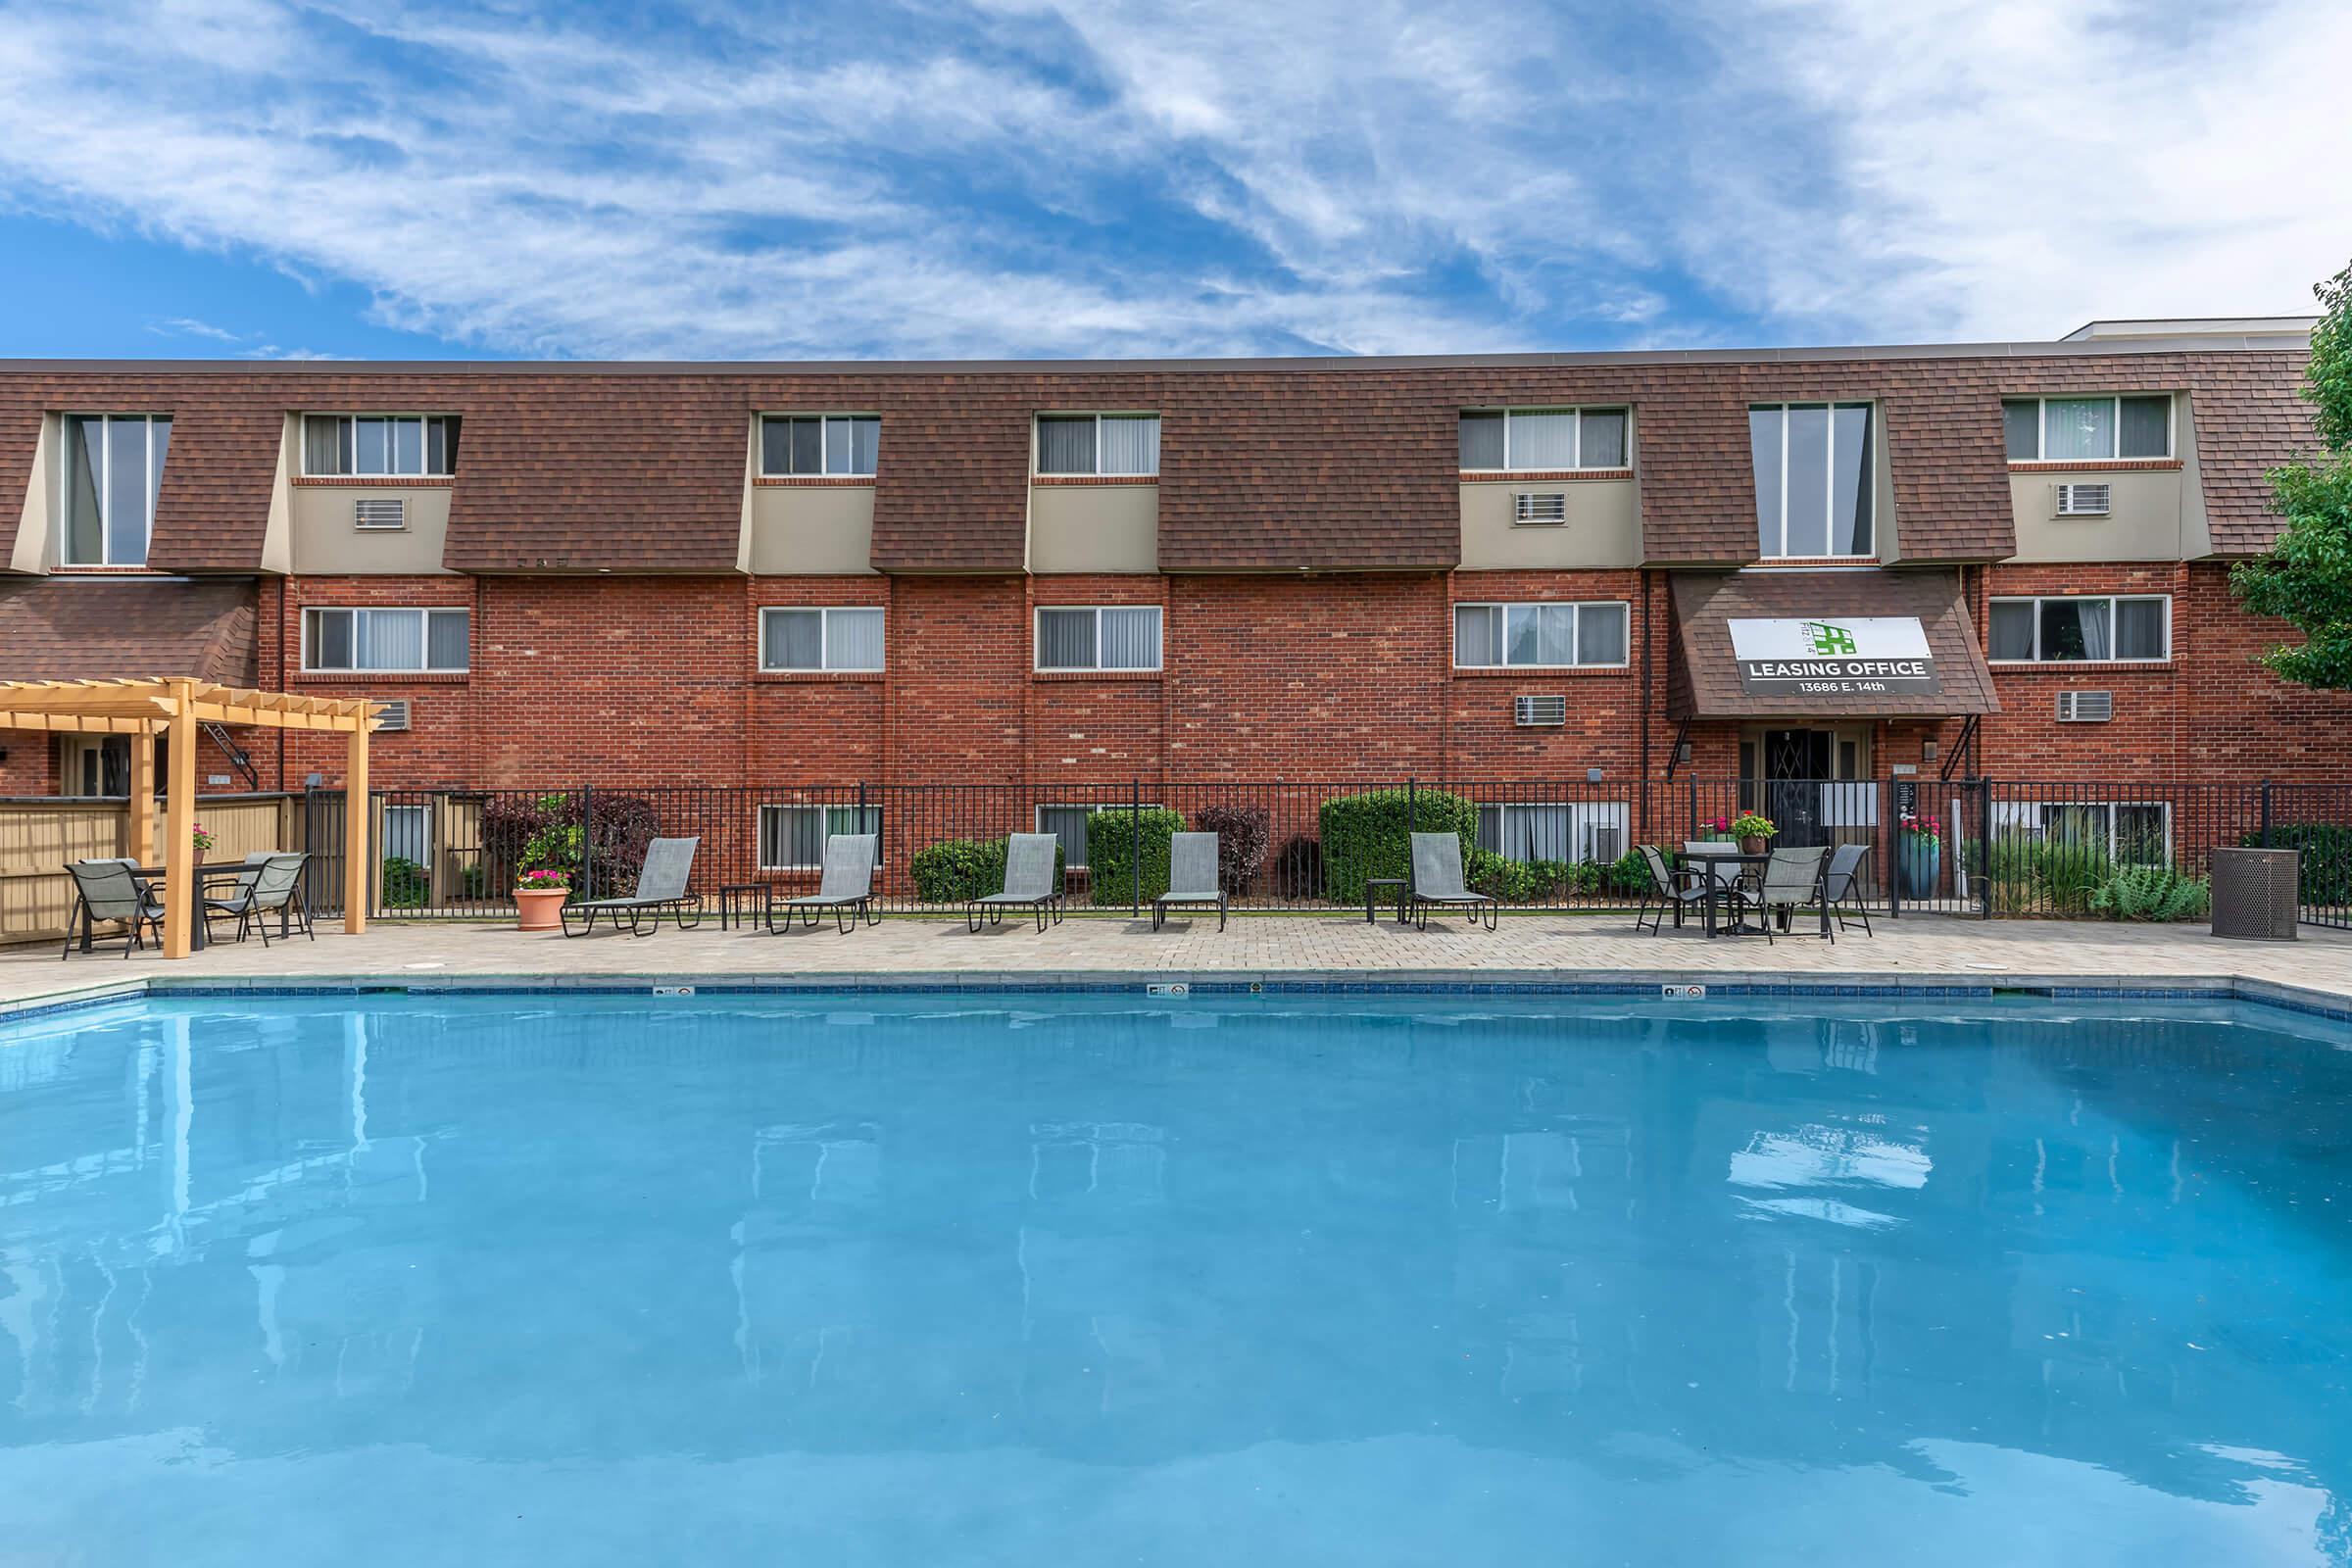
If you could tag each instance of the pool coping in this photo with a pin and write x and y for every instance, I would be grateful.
(1653, 985)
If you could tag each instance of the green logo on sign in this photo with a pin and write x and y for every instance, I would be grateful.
(1827, 641)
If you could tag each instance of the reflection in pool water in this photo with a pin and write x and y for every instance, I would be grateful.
(1349, 1280)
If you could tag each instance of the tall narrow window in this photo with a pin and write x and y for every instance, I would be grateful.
(113, 472)
(813, 445)
(1815, 478)
(1112, 445)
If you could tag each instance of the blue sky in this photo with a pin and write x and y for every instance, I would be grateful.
(221, 178)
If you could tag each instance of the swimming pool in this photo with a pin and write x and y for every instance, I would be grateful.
(1092, 1279)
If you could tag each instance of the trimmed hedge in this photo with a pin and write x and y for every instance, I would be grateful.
(1110, 860)
(959, 870)
(1366, 836)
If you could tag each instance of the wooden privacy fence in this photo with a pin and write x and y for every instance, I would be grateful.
(38, 836)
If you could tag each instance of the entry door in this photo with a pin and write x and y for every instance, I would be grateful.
(1795, 762)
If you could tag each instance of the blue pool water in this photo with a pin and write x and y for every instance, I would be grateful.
(1092, 1281)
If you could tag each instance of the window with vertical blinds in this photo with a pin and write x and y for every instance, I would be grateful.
(386, 641)
(810, 445)
(380, 445)
(848, 638)
(1120, 445)
(1098, 637)
(1529, 440)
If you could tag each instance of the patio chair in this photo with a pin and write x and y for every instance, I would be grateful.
(661, 888)
(1669, 889)
(1792, 879)
(112, 890)
(1438, 882)
(1839, 888)
(847, 888)
(1192, 878)
(268, 887)
(1030, 883)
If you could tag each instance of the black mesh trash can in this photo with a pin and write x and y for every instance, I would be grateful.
(2254, 894)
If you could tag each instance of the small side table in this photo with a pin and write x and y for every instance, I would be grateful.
(740, 902)
(1372, 885)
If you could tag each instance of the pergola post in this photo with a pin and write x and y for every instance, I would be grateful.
(179, 826)
(356, 809)
(142, 796)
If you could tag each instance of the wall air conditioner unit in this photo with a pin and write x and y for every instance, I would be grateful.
(1539, 711)
(1534, 508)
(395, 714)
(2086, 707)
(2083, 500)
(380, 512)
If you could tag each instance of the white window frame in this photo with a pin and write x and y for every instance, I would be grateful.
(1037, 643)
(825, 665)
(2024, 818)
(1829, 470)
(2114, 423)
(824, 448)
(309, 650)
(424, 447)
(1575, 629)
(2039, 600)
(1037, 442)
(1584, 817)
(105, 486)
(1579, 411)
(873, 815)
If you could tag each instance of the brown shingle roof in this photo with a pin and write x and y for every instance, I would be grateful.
(95, 628)
(1703, 677)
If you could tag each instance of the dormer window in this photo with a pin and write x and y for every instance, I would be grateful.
(2087, 429)
(373, 445)
(114, 472)
(1815, 480)
(1541, 440)
(1109, 444)
(811, 446)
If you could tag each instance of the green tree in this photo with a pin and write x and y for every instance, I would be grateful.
(2306, 578)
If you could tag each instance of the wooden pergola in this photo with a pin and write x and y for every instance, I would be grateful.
(174, 708)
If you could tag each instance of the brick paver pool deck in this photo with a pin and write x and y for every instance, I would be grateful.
(1916, 949)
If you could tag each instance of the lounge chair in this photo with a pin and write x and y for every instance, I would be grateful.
(1438, 882)
(264, 890)
(1792, 879)
(1192, 878)
(1839, 885)
(1030, 883)
(1669, 889)
(112, 890)
(661, 887)
(847, 887)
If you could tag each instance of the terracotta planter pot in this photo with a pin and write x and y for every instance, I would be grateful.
(541, 909)
(1754, 844)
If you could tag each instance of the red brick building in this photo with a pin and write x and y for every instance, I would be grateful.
(2011, 560)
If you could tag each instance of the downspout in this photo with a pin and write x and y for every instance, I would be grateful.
(1648, 695)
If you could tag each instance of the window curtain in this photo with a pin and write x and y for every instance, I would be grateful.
(2139, 629)
(807, 447)
(1602, 442)
(1131, 639)
(330, 639)
(1130, 446)
(1069, 825)
(795, 639)
(2078, 429)
(2013, 629)
(320, 451)
(1543, 440)
(866, 445)
(1065, 446)
(1601, 634)
(391, 639)
(791, 835)
(2020, 430)
(2147, 428)
(854, 639)
(1477, 636)
(1482, 441)
(1065, 639)
(446, 638)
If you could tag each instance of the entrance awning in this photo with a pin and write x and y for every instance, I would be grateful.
(1788, 643)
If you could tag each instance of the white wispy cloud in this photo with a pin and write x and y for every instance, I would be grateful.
(1039, 177)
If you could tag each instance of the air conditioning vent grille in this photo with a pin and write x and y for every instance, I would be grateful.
(2084, 500)
(1539, 711)
(381, 511)
(394, 714)
(1538, 508)
(2086, 707)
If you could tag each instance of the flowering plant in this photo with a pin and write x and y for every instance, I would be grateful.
(1749, 825)
(546, 879)
(1925, 827)
(1720, 826)
(203, 840)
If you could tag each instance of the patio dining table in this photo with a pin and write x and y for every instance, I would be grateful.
(1716, 885)
(199, 938)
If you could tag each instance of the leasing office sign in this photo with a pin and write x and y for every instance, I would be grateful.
(1869, 656)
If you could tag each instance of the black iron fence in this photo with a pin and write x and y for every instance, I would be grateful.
(1976, 847)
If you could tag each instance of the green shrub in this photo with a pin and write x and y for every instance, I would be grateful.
(2152, 893)
(1628, 874)
(1244, 836)
(1110, 836)
(403, 883)
(1366, 836)
(2046, 876)
(1511, 881)
(2324, 872)
(959, 870)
